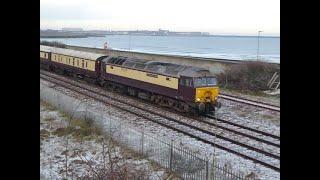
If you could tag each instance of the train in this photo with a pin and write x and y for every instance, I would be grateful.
(183, 88)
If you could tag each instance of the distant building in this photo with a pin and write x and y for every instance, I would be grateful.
(163, 32)
(72, 29)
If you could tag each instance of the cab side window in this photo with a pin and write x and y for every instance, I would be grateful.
(183, 82)
(191, 83)
(187, 82)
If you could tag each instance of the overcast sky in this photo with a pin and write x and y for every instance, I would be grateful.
(239, 17)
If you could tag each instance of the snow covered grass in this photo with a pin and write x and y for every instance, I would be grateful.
(76, 149)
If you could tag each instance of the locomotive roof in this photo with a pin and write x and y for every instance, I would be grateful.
(70, 52)
(159, 67)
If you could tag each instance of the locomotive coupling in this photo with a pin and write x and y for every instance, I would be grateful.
(202, 107)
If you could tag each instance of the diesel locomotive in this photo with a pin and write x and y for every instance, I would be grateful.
(183, 88)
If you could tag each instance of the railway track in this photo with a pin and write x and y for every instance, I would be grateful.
(247, 129)
(244, 127)
(250, 102)
(170, 122)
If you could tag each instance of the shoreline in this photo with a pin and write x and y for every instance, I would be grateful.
(71, 36)
(104, 35)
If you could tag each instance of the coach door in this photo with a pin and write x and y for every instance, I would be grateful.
(185, 89)
(100, 66)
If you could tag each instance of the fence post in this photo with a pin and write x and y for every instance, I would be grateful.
(120, 131)
(207, 169)
(171, 154)
(110, 134)
(213, 168)
(142, 141)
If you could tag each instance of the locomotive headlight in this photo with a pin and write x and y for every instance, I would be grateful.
(198, 99)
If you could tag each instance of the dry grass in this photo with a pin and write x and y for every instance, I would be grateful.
(47, 106)
(79, 129)
(44, 134)
(248, 76)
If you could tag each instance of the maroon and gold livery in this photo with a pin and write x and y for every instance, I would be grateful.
(184, 88)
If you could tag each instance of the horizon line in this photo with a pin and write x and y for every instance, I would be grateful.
(210, 34)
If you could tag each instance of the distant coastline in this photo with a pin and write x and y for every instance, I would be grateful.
(96, 33)
(55, 37)
(86, 36)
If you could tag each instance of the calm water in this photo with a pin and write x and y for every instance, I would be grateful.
(239, 48)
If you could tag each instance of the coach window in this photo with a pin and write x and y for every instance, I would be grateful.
(86, 64)
(72, 61)
(82, 63)
(78, 62)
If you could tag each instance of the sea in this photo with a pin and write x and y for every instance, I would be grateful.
(222, 47)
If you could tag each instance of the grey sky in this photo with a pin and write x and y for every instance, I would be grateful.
(242, 17)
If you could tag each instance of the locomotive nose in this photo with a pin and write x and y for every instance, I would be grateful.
(208, 95)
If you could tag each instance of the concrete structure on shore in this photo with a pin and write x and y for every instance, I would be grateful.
(213, 64)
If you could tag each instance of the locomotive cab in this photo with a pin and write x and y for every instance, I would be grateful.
(201, 91)
(207, 92)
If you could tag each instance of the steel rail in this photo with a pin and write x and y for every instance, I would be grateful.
(250, 102)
